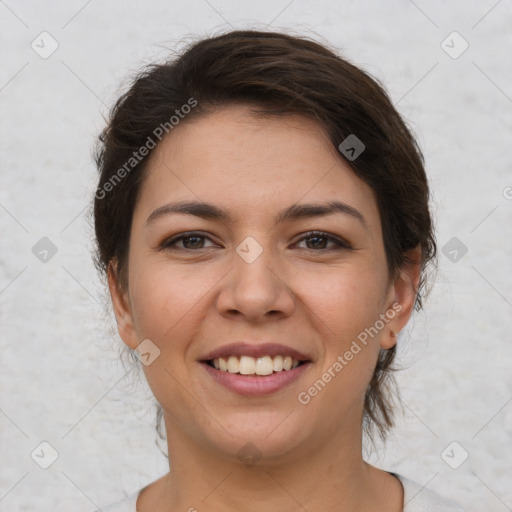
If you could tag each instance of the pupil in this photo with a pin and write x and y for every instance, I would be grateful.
(186, 241)
(318, 238)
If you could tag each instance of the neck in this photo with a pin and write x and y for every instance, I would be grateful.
(316, 476)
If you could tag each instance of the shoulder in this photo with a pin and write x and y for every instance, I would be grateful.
(126, 505)
(420, 499)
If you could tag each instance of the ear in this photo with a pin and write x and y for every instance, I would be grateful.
(122, 307)
(402, 297)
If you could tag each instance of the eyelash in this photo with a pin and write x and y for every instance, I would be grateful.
(170, 243)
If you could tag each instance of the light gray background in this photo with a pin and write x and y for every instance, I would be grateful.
(60, 375)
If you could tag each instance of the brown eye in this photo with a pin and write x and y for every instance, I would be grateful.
(189, 241)
(317, 240)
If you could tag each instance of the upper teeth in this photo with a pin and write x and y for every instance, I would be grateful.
(247, 365)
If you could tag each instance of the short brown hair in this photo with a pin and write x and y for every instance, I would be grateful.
(277, 74)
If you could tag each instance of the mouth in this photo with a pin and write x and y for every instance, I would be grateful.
(255, 369)
(258, 366)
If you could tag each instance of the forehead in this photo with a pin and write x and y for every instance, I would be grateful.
(242, 162)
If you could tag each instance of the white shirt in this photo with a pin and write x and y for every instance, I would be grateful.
(416, 499)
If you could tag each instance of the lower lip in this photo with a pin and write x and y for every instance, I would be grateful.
(256, 384)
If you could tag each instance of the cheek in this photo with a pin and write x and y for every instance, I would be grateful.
(347, 301)
(347, 304)
(169, 301)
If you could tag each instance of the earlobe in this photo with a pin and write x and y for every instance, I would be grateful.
(388, 339)
(405, 289)
(122, 307)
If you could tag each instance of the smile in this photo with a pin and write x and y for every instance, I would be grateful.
(247, 365)
(255, 367)
(254, 384)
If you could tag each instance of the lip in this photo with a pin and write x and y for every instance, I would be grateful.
(243, 348)
(252, 385)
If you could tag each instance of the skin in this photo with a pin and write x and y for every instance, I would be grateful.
(301, 291)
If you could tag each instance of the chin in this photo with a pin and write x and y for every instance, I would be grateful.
(260, 438)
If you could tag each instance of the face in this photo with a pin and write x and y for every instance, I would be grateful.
(263, 269)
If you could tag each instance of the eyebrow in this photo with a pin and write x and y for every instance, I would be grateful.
(294, 212)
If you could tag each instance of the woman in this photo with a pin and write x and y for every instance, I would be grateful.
(262, 218)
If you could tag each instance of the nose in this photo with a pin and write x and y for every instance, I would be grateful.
(256, 290)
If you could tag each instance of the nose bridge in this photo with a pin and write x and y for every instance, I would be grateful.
(255, 287)
(252, 268)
